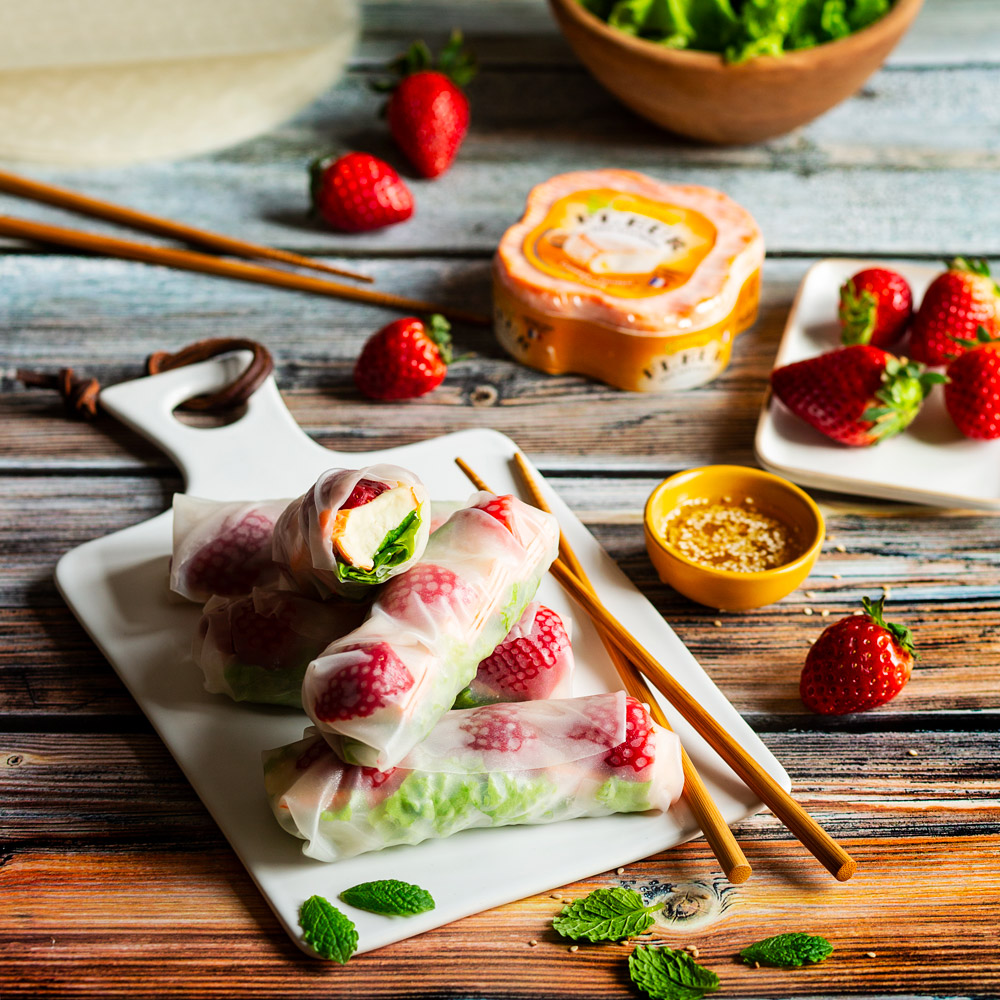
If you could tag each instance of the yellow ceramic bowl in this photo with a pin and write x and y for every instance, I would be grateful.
(725, 588)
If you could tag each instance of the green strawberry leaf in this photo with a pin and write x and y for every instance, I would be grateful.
(327, 930)
(665, 974)
(390, 897)
(902, 635)
(605, 915)
(788, 950)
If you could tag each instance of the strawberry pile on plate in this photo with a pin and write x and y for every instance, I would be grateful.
(860, 393)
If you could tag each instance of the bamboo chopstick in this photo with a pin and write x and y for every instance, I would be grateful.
(72, 201)
(819, 843)
(191, 260)
(720, 838)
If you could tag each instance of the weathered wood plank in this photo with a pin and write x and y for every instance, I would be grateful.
(941, 566)
(890, 171)
(79, 788)
(136, 924)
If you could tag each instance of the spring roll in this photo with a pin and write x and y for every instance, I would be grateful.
(354, 529)
(379, 691)
(257, 648)
(222, 549)
(500, 765)
(535, 660)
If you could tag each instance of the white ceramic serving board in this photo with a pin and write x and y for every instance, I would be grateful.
(117, 588)
(929, 463)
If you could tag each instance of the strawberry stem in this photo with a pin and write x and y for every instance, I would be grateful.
(857, 314)
(900, 633)
(905, 385)
(439, 330)
(455, 62)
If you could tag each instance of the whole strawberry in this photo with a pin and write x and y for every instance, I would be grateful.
(875, 306)
(857, 663)
(856, 395)
(972, 394)
(407, 358)
(955, 304)
(428, 113)
(358, 192)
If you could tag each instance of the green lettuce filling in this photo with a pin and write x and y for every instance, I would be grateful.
(622, 796)
(397, 548)
(739, 29)
(270, 687)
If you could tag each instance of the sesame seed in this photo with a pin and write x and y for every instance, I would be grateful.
(840, 548)
(810, 594)
(730, 536)
(532, 943)
(825, 613)
(809, 642)
(756, 965)
(555, 895)
(717, 623)
(567, 900)
(837, 576)
(913, 753)
(574, 947)
(870, 954)
(620, 871)
(692, 950)
(807, 611)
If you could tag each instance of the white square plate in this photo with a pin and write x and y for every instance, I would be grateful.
(929, 463)
(117, 588)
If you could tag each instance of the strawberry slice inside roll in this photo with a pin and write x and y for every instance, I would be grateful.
(498, 765)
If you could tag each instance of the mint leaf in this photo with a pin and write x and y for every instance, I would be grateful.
(390, 897)
(666, 974)
(324, 927)
(788, 950)
(605, 915)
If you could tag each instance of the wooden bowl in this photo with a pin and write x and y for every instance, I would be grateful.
(698, 94)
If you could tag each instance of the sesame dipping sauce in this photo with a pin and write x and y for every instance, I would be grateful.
(730, 534)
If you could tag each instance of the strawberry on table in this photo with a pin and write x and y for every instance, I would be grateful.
(954, 306)
(858, 663)
(856, 395)
(972, 395)
(875, 306)
(405, 359)
(428, 113)
(357, 192)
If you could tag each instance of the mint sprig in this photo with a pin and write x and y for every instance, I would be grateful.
(389, 897)
(665, 974)
(331, 933)
(606, 915)
(786, 951)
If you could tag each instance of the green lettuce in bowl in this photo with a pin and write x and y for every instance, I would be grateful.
(739, 29)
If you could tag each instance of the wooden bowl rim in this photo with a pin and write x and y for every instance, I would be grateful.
(900, 15)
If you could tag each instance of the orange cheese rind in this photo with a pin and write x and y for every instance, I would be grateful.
(622, 277)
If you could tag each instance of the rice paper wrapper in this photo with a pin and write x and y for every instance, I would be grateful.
(222, 548)
(501, 765)
(534, 660)
(302, 544)
(257, 648)
(379, 691)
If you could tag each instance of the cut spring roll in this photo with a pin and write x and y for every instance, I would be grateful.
(535, 660)
(256, 648)
(354, 529)
(379, 691)
(222, 548)
(500, 765)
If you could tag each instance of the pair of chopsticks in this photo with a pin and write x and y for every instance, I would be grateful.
(191, 260)
(630, 658)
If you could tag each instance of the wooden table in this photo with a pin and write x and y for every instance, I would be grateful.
(115, 882)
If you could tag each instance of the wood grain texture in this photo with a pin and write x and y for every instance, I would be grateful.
(136, 924)
(114, 880)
